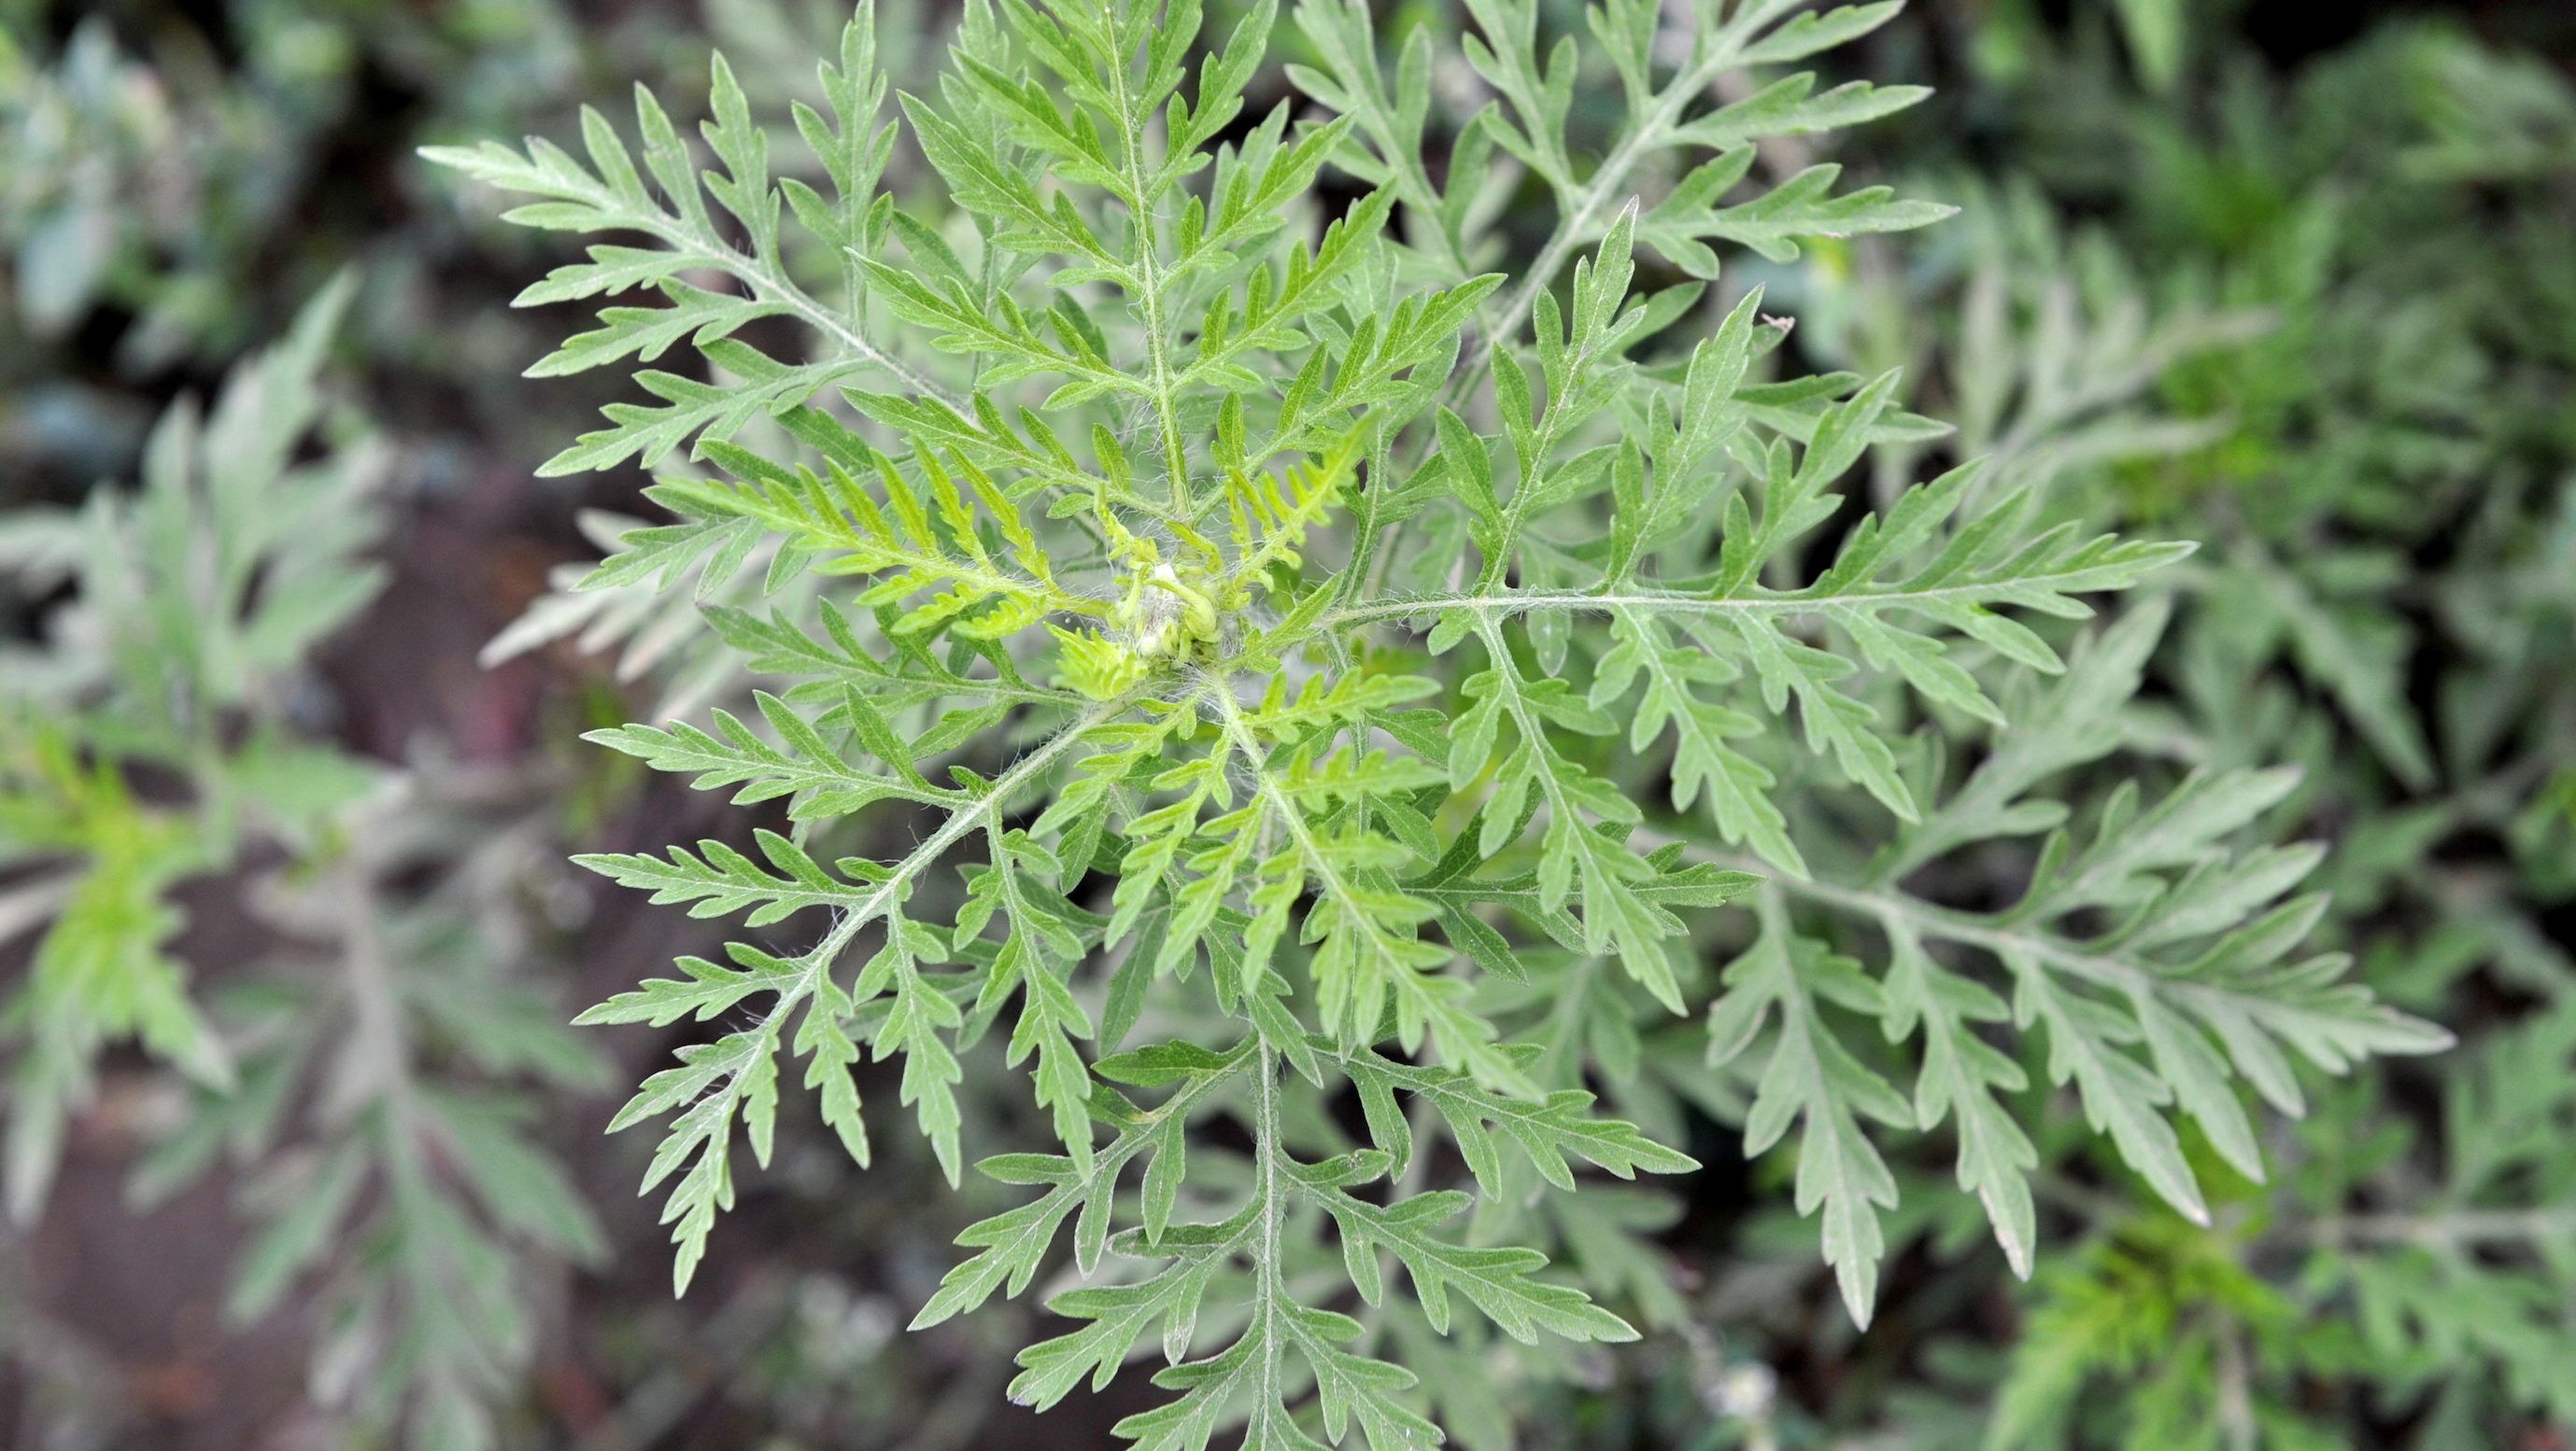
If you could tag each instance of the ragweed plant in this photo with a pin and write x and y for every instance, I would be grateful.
(187, 617)
(1285, 638)
(2382, 478)
(366, 1078)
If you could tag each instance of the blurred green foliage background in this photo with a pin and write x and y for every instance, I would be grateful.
(2295, 281)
